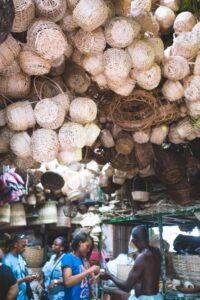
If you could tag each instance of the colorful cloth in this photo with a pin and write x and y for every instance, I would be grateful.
(80, 291)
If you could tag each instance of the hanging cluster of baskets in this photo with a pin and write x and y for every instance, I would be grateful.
(83, 80)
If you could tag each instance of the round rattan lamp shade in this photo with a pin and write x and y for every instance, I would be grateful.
(52, 181)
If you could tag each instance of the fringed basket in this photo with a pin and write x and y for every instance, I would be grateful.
(24, 14)
(72, 135)
(89, 15)
(15, 86)
(83, 110)
(20, 116)
(53, 10)
(7, 14)
(9, 50)
(135, 112)
(44, 36)
(185, 267)
(32, 64)
(34, 256)
(49, 114)
(44, 145)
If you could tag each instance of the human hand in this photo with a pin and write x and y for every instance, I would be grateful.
(29, 278)
(94, 269)
(51, 285)
(105, 275)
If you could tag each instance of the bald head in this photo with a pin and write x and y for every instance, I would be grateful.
(140, 236)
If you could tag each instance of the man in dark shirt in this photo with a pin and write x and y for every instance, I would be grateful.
(8, 283)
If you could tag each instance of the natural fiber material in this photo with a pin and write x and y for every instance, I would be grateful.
(185, 267)
(5, 135)
(122, 162)
(142, 54)
(44, 145)
(124, 143)
(192, 88)
(117, 64)
(3, 119)
(72, 135)
(20, 144)
(7, 13)
(51, 9)
(175, 67)
(186, 45)
(32, 64)
(9, 50)
(44, 37)
(89, 15)
(67, 157)
(83, 110)
(49, 114)
(93, 63)
(144, 155)
(67, 23)
(172, 90)
(34, 256)
(17, 215)
(24, 14)
(12, 69)
(52, 181)
(120, 32)
(15, 86)
(47, 214)
(158, 46)
(135, 112)
(5, 214)
(90, 42)
(20, 116)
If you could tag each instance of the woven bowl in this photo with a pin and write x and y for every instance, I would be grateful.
(53, 10)
(44, 145)
(52, 181)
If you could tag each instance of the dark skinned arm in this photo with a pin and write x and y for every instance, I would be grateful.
(134, 275)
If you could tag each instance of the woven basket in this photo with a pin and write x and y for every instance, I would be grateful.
(64, 216)
(92, 133)
(122, 87)
(20, 144)
(117, 64)
(147, 21)
(122, 162)
(52, 181)
(47, 214)
(172, 90)
(17, 215)
(186, 45)
(67, 157)
(44, 36)
(62, 99)
(148, 79)
(144, 155)
(13, 69)
(34, 256)
(7, 14)
(44, 145)
(26, 163)
(32, 64)
(124, 143)
(197, 65)
(175, 67)
(89, 15)
(83, 110)
(107, 139)
(192, 88)
(72, 135)
(5, 135)
(120, 32)
(49, 114)
(3, 119)
(67, 23)
(140, 190)
(20, 116)
(5, 214)
(76, 79)
(24, 14)
(53, 10)
(185, 267)
(15, 86)
(158, 46)
(184, 22)
(90, 42)
(168, 165)
(135, 112)
(159, 134)
(142, 54)
(9, 50)
(142, 136)
(93, 63)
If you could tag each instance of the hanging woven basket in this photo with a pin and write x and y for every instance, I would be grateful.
(72, 135)
(140, 190)
(24, 14)
(83, 110)
(52, 9)
(20, 144)
(15, 86)
(9, 50)
(12, 69)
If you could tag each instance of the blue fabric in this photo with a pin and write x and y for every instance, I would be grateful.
(79, 291)
(52, 270)
(17, 265)
(143, 297)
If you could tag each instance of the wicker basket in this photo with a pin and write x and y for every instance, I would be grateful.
(15, 86)
(67, 23)
(34, 256)
(142, 54)
(192, 88)
(158, 46)
(53, 10)
(5, 135)
(117, 64)
(159, 134)
(20, 144)
(5, 214)
(20, 116)
(49, 114)
(13, 69)
(32, 64)
(44, 36)
(175, 67)
(120, 32)
(72, 135)
(7, 14)
(47, 214)
(89, 15)
(144, 155)
(184, 22)
(92, 133)
(17, 215)
(140, 190)
(64, 216)
(24, 14)
(67, 157)
(93, 64)
(3, 119)
(90, 42)
(26, 163)
(9, 50)
(124, 143)
(135, 112)
(83, 110)
(172, 90)
(44, 145)
(186, 45)
(185, 267)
